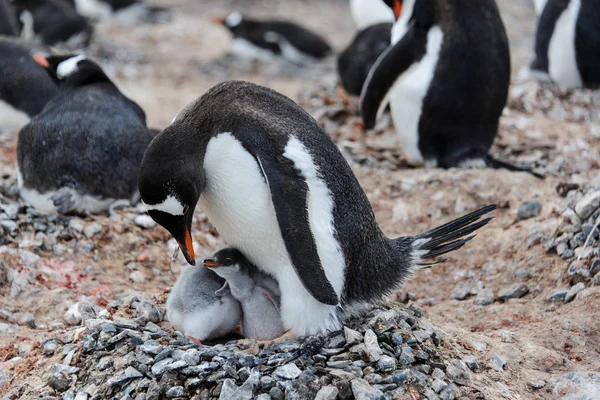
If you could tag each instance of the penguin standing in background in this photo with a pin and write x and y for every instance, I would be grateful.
(446, 78)
(55, 21)
(82, 152)
(279, 190)
(25, 86)
(366, 13)
(265, 39)
(355, 62)
(8, 19)
(194, 308)
(567, 43)
(257, 293)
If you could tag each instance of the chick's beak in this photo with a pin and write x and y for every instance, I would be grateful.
(397, 8)
(218, 20)
(40, 59)
(210, 263)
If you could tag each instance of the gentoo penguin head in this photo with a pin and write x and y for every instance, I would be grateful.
(232, 21)
(171, 199)
(71, 70)
(396, 6)
(227, 263)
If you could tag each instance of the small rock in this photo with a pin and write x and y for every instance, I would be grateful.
(49, 347)
(29, 259)
(558, 295)
(175, 391)
(484, 298)
(522, 273)
(587, 205)
(574, 291)
(406, 356)
(288, 371)
(462, 290)
(137, 277)
(144, 221)
(127, 375)
(438, 385)
(76, 224)
(529, 209)
(26, 319)
(373, 350)
(514, 291)
(498, 363)
(363, 391)
(472, 362)
(458, 372)
(506, 336)
(595, 268)
(327, 393)
(536, 384)
(352, 337)
(59, 382)
(386, 364)
(92, 230)
(577, 385)
(161, 366)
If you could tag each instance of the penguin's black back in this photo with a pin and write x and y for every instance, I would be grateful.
(356, 60)
(545, 28)
(54, 20)
(90, 138)
(24, 84)
(299, 37)
(469, 90)
(263, 121)
(587, 43)
(8, 19)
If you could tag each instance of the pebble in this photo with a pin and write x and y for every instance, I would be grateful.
(137, 277)
(29, 259)
(558, 295)
(372, 346)
(577, 385)
(127, 375)
(497, 363)
(362, 390)
(175, 391)
(507, 336)
(144, 221)
(49, 347)
(574, 291)
(327, 393)
(352, 337)
(458, 372)
(288, 371)
(484, 298)
(92, 230)
(386, 364)
(472, 363)
(529, 209)
(514, 291)
(587, 205)
(536, 384)
(438, 385)
(406, 356)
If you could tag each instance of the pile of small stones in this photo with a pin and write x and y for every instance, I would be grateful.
(126, 351)
(576, 240)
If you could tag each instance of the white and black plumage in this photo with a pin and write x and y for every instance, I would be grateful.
(128, 10)
(25, 86)
(55, 21)
(355, 62)
(445, 78)
(278, 189)
(257, 293)
(264, 39)
(567, 43)
(8, 19)
(366, 13)
(82, 152)
(194, 308)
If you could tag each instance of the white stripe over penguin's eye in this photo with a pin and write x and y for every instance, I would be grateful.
(170, 206)
(68, 67)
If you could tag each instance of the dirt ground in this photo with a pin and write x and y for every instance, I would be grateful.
(165, 66)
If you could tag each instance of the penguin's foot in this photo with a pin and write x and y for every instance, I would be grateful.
(286, 336)
(193, 339)
(63, 201)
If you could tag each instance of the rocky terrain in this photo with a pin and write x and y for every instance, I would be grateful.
(512, 315)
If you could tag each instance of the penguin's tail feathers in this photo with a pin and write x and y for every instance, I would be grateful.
(479, 158)
(498, 164)
(428, 247)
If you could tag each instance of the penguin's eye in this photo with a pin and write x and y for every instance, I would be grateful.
(228, 261)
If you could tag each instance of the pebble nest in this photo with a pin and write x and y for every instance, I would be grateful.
(389, 352)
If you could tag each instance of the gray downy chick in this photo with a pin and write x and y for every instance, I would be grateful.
(195, 310)
(257, 292)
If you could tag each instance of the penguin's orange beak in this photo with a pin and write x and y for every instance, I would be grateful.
(40, 59)
(210, 263)
(218, 20)
(187, 247)
(397, 8)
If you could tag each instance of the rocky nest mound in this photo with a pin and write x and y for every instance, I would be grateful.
(125, 351)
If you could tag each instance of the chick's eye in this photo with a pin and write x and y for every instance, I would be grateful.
(228, 261)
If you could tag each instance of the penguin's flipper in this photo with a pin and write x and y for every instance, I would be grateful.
(386, 71)
(223, 291)
(289, 193)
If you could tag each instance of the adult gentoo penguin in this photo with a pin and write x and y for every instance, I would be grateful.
(279, 190)
(263, 39)
(567, 43)
(25, 86)
(82, 152)
(8, 19)
(367, 13)
(446, 78)
(355, 62)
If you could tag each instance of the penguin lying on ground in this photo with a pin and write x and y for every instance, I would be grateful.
(356, 60)
(82, 152)
(278, 189)
(55, 21)
(366, 13)
(446, 78)
(131, 10)
(8, 19)
(567, 43)
(25, 86)
(194, 309)
(264, 39)
(253, 289)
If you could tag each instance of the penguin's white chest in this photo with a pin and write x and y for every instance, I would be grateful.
(562, 57)
(12, 119)
(408, 93)
(237, 201)
(367, 13)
